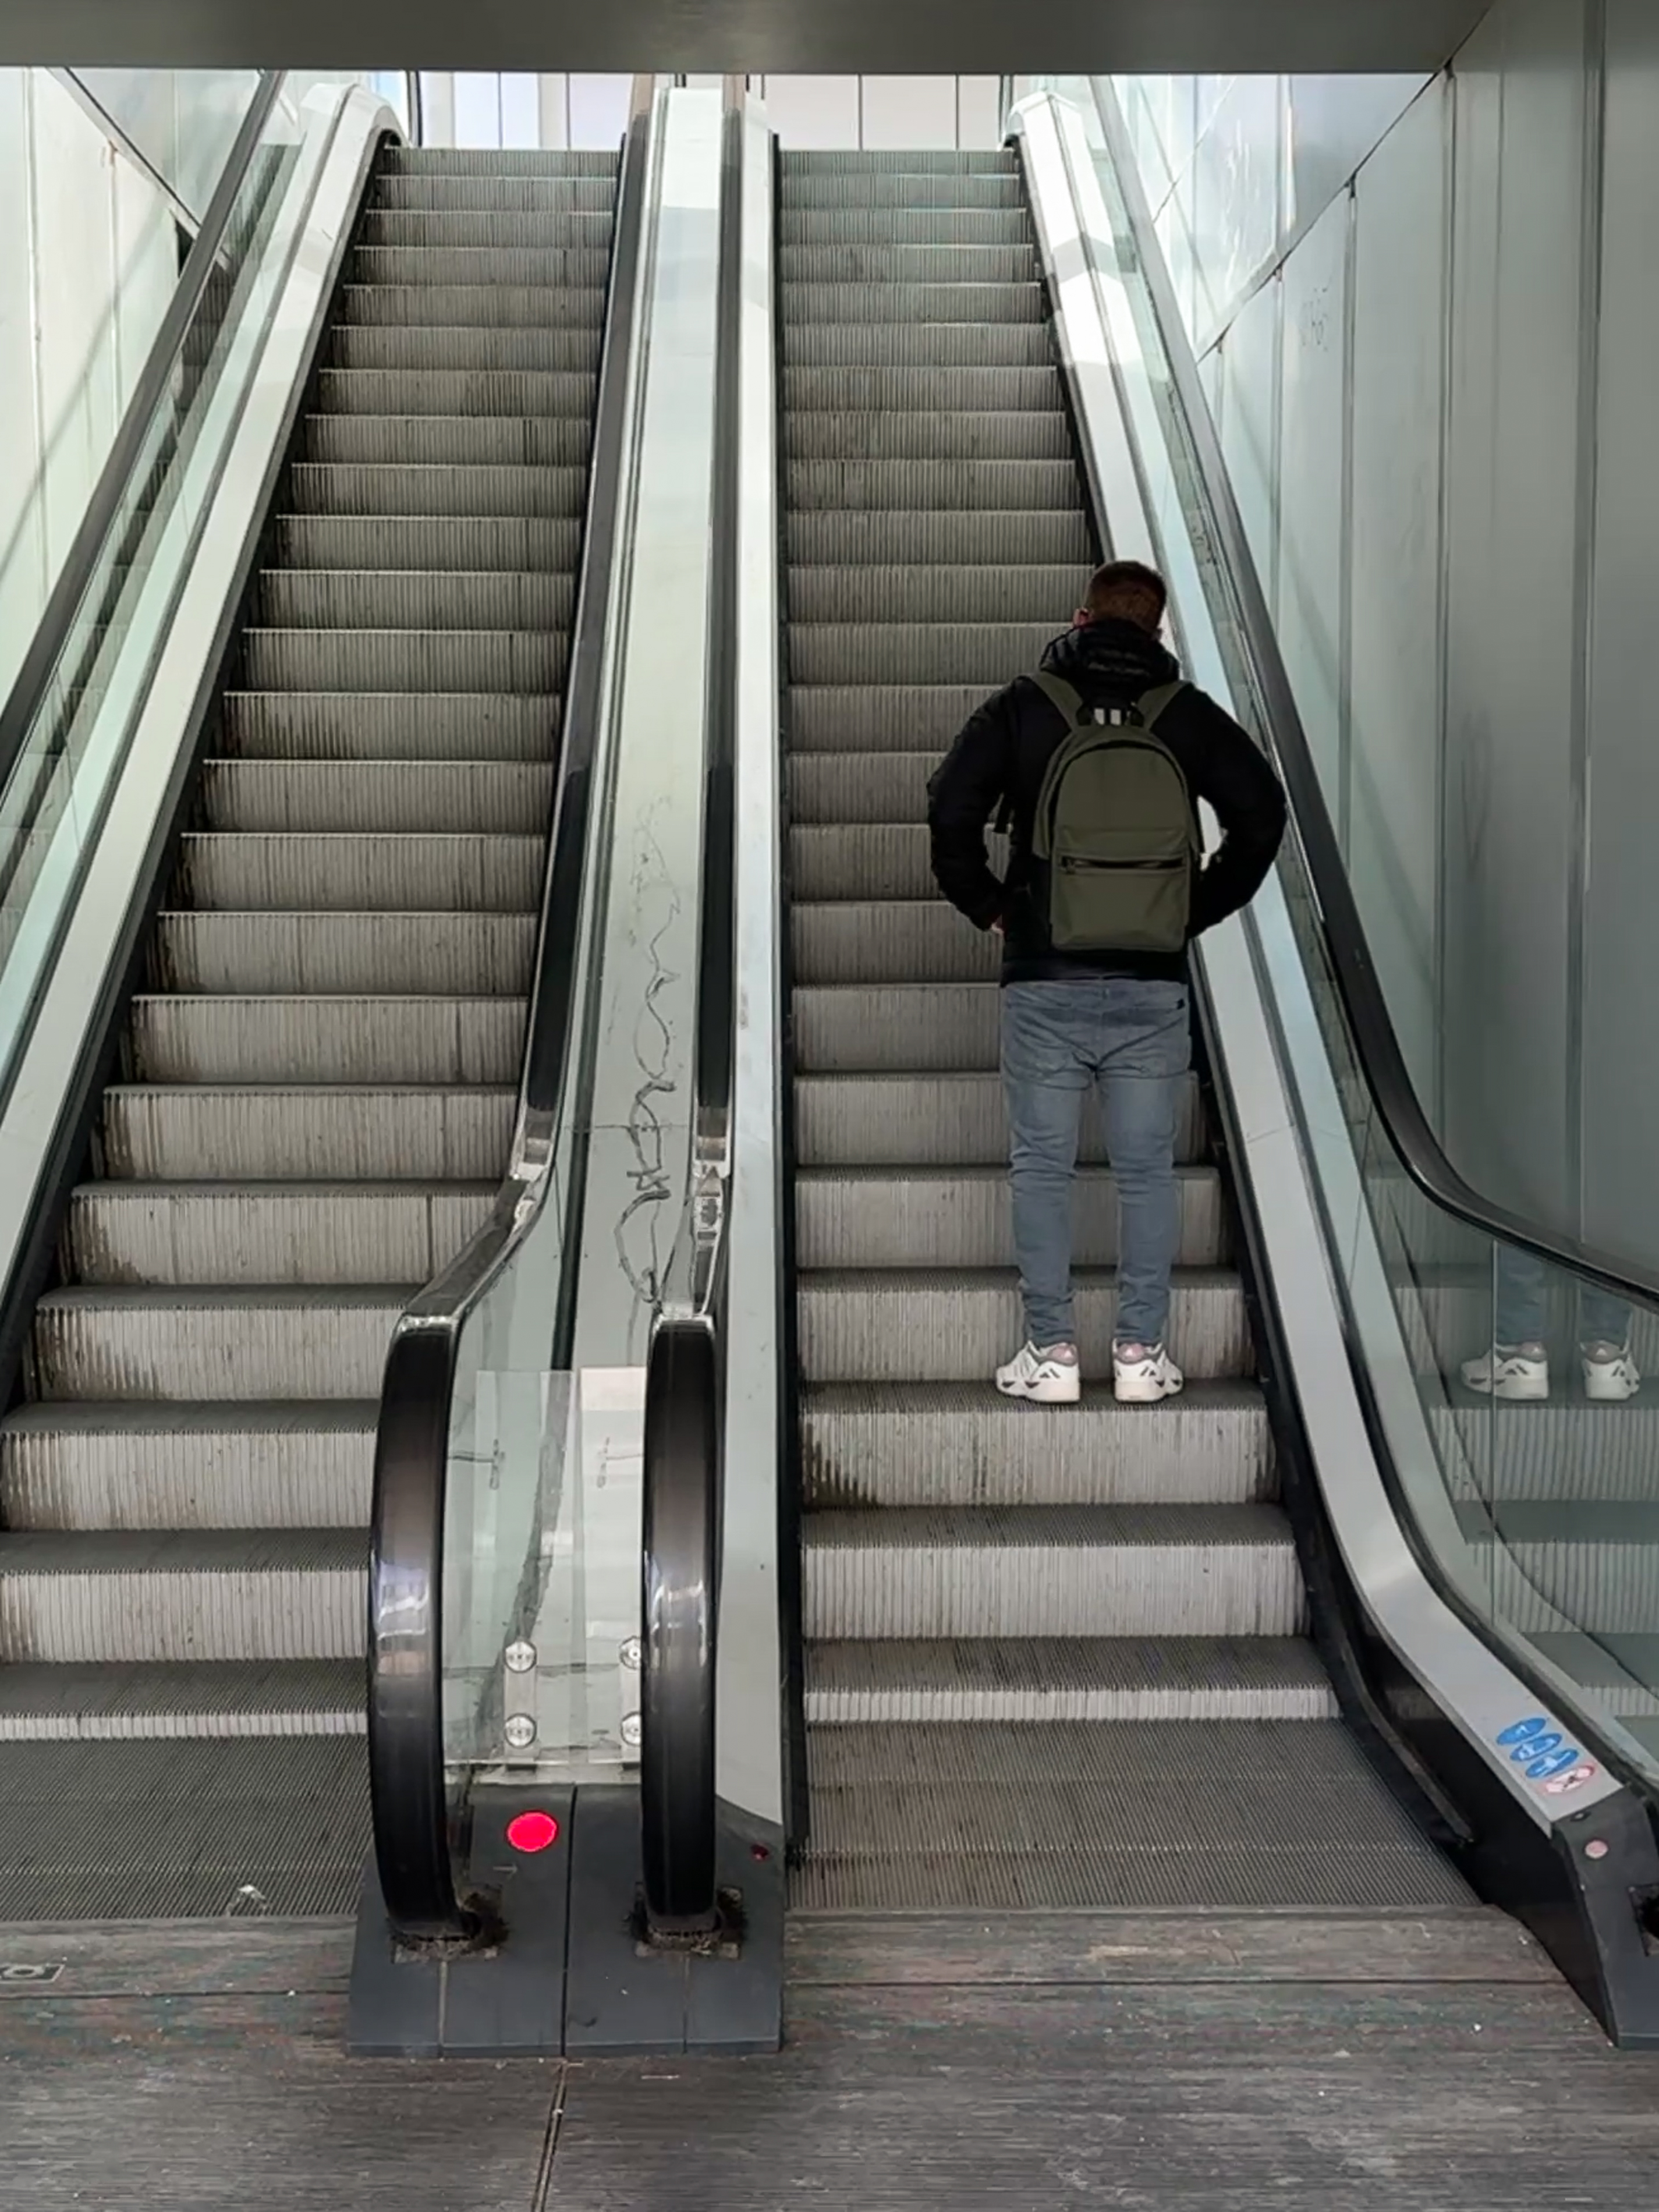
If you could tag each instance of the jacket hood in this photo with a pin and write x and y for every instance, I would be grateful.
(1115, 661)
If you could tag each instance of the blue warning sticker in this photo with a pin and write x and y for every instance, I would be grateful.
(1523, 1731)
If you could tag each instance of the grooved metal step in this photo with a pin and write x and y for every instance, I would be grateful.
(457, 193)
(885, 265)
(291, 1232)
(849, 787)
(335, 488)
(1158, 1815)
(821, 434)
(907, 190)
(963, 1444)
(405, 872)
(588, 229)
(465, 954)
(425, 659)
(413, 599)
(870, 861)
(131, 1597)
(481, 797)
(960, 1217)
(909, 340)
(868, 226)
(566, 271)
(972, 300)
(445, 441)
(255, 1132)
(930, 1121)
(917, 652)
(186, 1700)
(872, 591)
(963, 537)
(1063, 1571)
(940, 1027)
(82, 1465)
(846, 943)
(981, 1680)
(416, 301)
(858, 482)
(269, 1040)
(880, 718)
(897, 1325)
(840, 392)
(391, 726)
(473, 545)
(561, 349)
(458, 394)
(295, 1342)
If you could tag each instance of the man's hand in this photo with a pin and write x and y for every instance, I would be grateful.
(996, 927)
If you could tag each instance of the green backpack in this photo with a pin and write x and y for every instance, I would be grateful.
(1116, 841)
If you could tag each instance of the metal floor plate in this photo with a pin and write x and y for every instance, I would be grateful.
(1203, 1815)
(183, 1830)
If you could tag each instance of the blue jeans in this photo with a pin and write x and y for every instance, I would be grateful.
(1132, 1041)
(1523, 1302)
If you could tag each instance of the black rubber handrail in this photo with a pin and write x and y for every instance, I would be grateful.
(683, 1471)
(1364, 1004)
(31, 687)
(407, 1780)
(679, 1595)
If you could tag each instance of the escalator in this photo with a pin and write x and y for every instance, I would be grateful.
(312, 1072)
(1055, 1657)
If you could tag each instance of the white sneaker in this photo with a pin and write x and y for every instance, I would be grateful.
(1610, 1374)
(1144, 1373)
(1050, 1376)
(1509, 1371)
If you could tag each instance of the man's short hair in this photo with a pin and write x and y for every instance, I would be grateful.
(1127, 590)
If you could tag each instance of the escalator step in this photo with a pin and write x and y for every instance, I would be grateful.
(821, 434)
(545, 168)
(877, 861)
(484, 545)
(1055, 1572)
(970, 300)
(206, 1233)
(906, 1118)
(899, 941)
(356, 952)
(496, 604)
(335, 489)
(186, 1700)
(951, 1216)
(1196, 1815)
(1003, 484)
(477, 305)
(909, 190)
(541, 228)
(929, 333)
(962, 538)
(903, 225)
(454, 348)
(869, 592)
(187, 1465)
(913, 1028)
(882, 1445)
(407, 872)
(457, 190)
(484, 798)
(202, 1038)
(209, 1341)
(374, 1132)
(468, 441)
(900, 1325)
(980, 1680)
(118, 1597)
(403, 393)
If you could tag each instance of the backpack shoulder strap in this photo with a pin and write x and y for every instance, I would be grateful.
(1061, 694)
(1151, 704)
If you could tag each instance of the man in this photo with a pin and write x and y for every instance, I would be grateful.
(1114, 1018)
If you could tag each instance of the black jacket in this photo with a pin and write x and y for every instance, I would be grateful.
(1002, 753)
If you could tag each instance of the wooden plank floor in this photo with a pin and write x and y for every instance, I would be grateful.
(1350, 2065)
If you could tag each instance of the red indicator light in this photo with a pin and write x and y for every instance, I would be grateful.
(532, 1831)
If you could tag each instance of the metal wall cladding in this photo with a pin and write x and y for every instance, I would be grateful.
(1513, 736)
(1393, 649)
(1620, 1058)
(1248, 362)
(1313, 398)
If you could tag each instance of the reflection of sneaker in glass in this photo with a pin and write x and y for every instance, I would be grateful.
(1048, 1376)
(1610, 1374)
(1509, 1371)
(1144, 1373)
